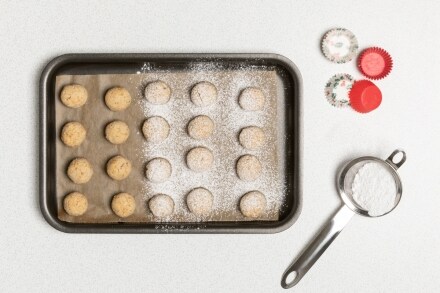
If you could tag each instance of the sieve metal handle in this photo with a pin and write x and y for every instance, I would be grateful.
(316, 248)
(391, 161)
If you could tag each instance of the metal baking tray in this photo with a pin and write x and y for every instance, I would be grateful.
(90, 64)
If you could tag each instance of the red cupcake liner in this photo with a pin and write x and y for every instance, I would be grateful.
(365, 96)
(375, 63)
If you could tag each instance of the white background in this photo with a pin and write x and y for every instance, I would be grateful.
(396, 253)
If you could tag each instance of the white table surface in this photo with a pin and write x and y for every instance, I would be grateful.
(396, 253)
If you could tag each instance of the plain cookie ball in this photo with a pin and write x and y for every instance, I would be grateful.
(117, 99)
(74, 95)
(118, 167)
(199, 201)
(199, 159)
(248, 168)
(252, 137)
(251, 99)
(158, 170)
(253, 204)
(157, 92)
(73, 134)
(203, 94)
(75, 204)
(155, 129)
(200, 127)
(161, 205)
(117, 132)
(80, 171)
(123, 204)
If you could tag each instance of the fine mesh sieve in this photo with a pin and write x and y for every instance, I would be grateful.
(331, 230)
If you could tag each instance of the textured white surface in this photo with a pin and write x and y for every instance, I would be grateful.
(396, 253)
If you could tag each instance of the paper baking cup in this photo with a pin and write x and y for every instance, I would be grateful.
(375, 63)
(339, 45)
(365, 96)
(337, 90)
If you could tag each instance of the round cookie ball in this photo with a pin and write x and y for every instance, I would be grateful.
(248, 168)
(155, 129)
(203, 94)
(80, 171)
(157, 92)
(200, 127)
(118, 167)
(253, 204)
(123, 204)
(199, 201)
(161, 205)
(252, 137)
(199, 159)
(117, 99)
(75, 204)
(74, 95)
(73, 134)
(251, 99)
(158, 170)
(117, 132)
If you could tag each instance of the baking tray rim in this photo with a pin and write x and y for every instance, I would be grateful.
(271, 227)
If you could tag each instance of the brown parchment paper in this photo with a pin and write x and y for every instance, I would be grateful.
(222, 180)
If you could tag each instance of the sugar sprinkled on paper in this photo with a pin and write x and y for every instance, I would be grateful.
(229, 118)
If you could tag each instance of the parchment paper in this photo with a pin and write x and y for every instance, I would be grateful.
(222, 180)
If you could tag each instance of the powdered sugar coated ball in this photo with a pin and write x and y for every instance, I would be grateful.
(200, 127)
(158, 170)
(157, 92)
(199, 159)
(253, 204)
(155, 129)
(251, 137)
(199, 201)
(251, 99)
(203, 94)
(161, 205)
(248, 168)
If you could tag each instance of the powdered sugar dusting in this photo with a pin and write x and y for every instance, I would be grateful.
(374, 189)
(221, 180)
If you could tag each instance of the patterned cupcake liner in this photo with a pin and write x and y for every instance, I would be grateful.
(339, 45)
(337, 89)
